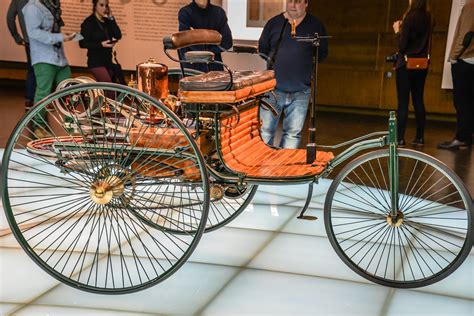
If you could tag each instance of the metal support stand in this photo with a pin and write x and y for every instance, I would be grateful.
(306, 204)
(311, 145)
(315, 40)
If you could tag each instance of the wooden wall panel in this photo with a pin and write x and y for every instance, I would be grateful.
(356, 50)
(355, 73)
(356, 16)
(357, 88)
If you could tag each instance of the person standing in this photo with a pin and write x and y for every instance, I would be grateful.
(461, 58)
(43, 25)
(201, 14)
(413, 34)
(14, 11)
(293, 71)
(101, 33)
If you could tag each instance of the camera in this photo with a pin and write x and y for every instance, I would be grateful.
(391, 58)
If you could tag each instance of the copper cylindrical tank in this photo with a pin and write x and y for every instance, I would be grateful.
(153, 79)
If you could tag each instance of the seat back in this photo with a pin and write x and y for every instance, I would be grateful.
(192, 37)
(187, 38)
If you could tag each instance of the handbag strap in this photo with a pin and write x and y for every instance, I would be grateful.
(431, 35)
(429, 39)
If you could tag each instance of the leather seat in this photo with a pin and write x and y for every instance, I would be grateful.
(210, 87)
(219, 80)
(244, 151)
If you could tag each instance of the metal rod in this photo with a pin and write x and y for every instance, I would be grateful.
(311, 146)
(315, 40)
(351, 151)
(308, 200)
(393, 163)
(352, 141)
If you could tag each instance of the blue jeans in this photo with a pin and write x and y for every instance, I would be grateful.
(294, 105)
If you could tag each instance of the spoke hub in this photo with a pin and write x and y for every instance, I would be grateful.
(216, 191)
(396, 221)
(102, 192)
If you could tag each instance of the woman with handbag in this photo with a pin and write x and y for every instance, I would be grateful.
(101, 33)
(413, 34)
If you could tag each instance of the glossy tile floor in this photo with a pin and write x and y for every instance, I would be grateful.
(265, 262)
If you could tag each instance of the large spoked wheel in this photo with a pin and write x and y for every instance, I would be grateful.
(76, 201)
(227, 203)
(432, 233)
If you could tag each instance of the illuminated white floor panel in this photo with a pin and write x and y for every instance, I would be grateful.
(264, 262)
(272, 293)
(191, 287)
(410, 303)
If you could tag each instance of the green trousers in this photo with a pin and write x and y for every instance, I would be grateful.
(47, 76)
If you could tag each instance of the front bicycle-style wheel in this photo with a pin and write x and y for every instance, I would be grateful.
(76, 198)
(431, 234)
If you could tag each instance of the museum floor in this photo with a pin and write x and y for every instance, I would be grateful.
(264, 262)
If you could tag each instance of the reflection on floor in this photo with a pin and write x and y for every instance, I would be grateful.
(265, 262)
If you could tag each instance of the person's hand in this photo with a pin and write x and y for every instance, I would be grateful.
(396, 26)
(108, 44)
(68, 36)
(109, 14)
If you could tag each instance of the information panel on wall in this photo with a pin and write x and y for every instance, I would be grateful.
(143, 23)
(456, 8)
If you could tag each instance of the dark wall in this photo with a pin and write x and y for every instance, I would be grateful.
(355, 73)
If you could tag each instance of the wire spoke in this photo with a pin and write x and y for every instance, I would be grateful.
(419, 244)
(115, 200)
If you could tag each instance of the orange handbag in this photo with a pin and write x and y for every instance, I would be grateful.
(417, 63)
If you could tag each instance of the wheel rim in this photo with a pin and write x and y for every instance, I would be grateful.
(224, 210)
(221, 212)
(428, 240)
(74, 212)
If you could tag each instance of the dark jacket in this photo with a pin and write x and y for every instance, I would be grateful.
(14, 10)
(294, 60)
(414, 37)
(95, 32)
(212, 18)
